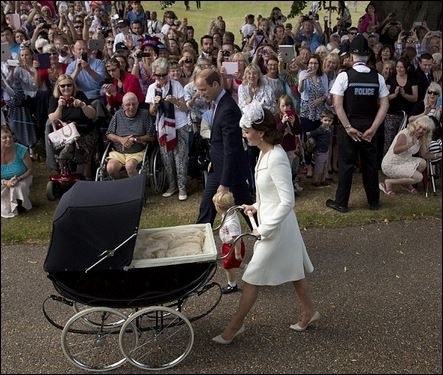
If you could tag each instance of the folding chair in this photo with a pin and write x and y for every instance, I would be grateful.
(433, 169)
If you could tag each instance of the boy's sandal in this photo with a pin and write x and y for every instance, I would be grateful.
(384, 189)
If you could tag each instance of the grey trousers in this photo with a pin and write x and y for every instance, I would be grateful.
(176, 160)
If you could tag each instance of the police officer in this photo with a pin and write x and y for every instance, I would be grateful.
(361, 102)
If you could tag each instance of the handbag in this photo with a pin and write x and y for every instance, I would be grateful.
(66, 135)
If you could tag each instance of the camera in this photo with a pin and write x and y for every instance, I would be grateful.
(69, 101)
(259, 32)
(188, 61)
(143, 54)
(226, 53)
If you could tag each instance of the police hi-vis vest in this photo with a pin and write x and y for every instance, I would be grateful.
(361, 96)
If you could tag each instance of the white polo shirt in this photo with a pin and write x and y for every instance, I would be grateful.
(341, 82)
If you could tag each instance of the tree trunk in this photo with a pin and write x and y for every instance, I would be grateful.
(407, 12)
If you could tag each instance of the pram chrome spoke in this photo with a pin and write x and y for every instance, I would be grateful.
(94, 347)
(163, 342)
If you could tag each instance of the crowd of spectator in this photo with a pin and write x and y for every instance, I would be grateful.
(76, 60)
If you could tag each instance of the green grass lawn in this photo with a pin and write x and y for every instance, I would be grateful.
(233, 13)
(35, 225)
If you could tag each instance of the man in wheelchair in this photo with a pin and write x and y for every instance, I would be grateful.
(130, 129)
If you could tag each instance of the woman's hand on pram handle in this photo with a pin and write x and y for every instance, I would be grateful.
(249, 209)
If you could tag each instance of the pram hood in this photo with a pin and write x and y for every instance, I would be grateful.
(93, 217)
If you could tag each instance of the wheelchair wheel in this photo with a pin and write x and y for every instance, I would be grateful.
(50, 191)
(162, 343)
(158, 172)
(94, 348)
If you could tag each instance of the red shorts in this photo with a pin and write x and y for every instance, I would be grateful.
(230, 261)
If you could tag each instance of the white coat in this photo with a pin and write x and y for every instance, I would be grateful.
(280, 256)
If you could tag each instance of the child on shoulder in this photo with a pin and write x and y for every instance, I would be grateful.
(228, 232)
(322, 137)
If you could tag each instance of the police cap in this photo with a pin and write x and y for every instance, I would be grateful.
(359, 46)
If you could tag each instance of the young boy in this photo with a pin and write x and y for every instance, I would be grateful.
(228, 232)
(322, 137)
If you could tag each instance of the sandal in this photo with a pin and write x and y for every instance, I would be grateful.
(410, 189)
(384, 189)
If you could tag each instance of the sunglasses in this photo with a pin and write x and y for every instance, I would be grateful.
(66, 85)
(78, 26)
(161, 75)
(109, 41)
(353, 33)
(433, 93)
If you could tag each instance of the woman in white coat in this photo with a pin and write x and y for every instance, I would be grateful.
(280, 255)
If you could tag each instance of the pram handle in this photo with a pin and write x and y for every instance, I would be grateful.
(228, 212)
(236, 208)
(239, 237)
(253, 223)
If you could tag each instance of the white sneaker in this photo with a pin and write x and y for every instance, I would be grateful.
(297, 187)
(182, 196)
(169, 193)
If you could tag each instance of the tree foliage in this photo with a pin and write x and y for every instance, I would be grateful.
(407, 12)
(297, 7)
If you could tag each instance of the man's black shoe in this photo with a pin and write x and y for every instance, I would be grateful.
(334, 205)
(229, 289)
(374, 207)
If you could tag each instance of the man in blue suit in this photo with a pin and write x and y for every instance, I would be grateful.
(229, 159)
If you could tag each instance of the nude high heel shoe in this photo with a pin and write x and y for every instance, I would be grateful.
(220, 340)
(298, 328)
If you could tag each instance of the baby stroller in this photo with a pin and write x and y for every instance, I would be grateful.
(135, 306)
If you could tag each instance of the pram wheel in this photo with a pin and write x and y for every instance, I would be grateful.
(110, 323)
(94, 348)
(164, 338)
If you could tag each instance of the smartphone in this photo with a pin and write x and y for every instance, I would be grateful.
(290, 113)
(438, 102)
(6, 52)
(43, 60)
(14, 21)
(96, 44)
(85, 56)
(287, 52)
(231, 68)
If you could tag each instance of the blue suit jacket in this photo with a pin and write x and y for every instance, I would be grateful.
(228, 156)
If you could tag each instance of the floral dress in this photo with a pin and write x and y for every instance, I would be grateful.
(314, 91)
